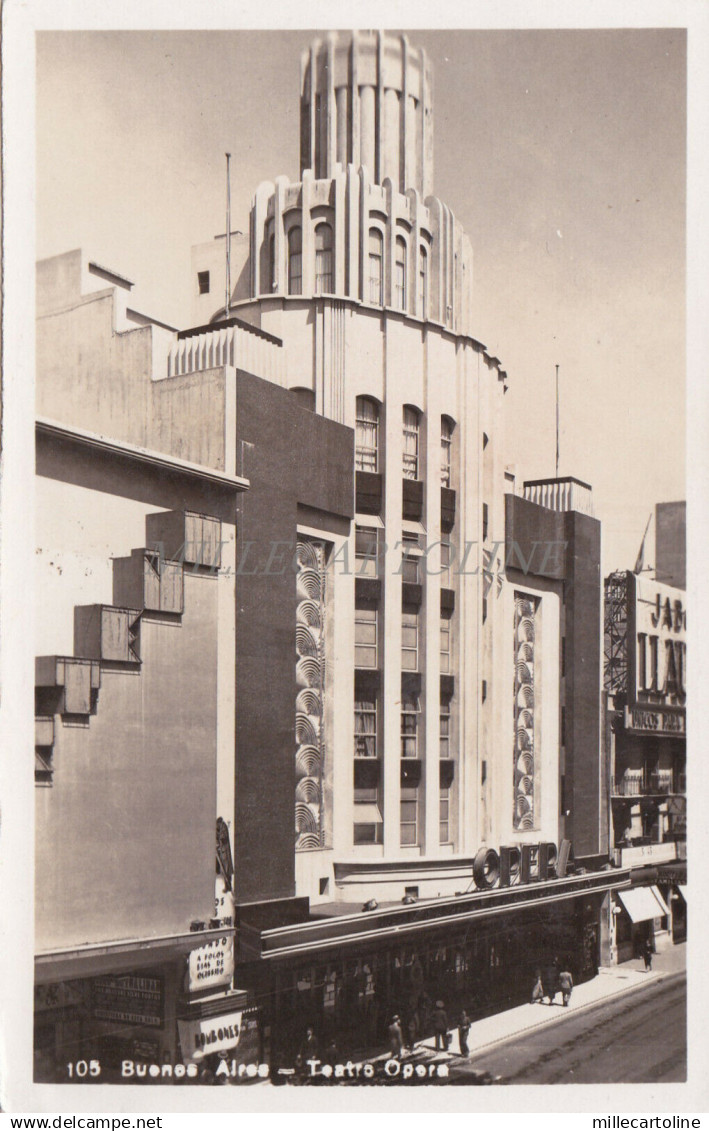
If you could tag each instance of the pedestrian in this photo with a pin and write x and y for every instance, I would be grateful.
(551, 981)
(566, 985)
(538, 988)
(440, 1026)
(463, 1030)
(396, 1041)
(412, 1030)
(647, 953)
(310, 1046)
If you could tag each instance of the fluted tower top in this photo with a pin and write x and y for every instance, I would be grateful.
(366, 100)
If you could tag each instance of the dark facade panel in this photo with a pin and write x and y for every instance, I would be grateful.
(412, 491)
(447, 508)
(368, 486)
(293, 457)
(447, 600)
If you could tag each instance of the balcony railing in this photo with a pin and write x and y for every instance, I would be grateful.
(650, 785)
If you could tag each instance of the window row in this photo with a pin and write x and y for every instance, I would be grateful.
(366, 729)
(367, 643)
(367, 440)
(369, 826)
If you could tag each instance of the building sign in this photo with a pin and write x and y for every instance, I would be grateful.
(205, 1035)
(521, 864)
(130, 998)
(211, 964)
(645, 721)
(658, 653)
(223, 902)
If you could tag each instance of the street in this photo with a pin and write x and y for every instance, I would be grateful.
(641, 1038)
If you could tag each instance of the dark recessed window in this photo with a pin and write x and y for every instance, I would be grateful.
(484, 690)
(203, 282)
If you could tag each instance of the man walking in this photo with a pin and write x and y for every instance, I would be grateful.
(566, 985)
(440, 1026)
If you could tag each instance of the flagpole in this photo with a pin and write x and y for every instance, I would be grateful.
(557, 422)
(228, 238)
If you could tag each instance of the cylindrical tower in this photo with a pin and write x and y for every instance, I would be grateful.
(366, 100)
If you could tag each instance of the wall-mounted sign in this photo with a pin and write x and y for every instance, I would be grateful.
(130, 998)
(657, 650)
(646, 721)
(211, 964)
(522, 864)
(223, 902)
(205, 1035)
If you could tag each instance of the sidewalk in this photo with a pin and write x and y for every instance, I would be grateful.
(609, 983)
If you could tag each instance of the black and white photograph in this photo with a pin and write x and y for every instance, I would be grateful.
(344, 533)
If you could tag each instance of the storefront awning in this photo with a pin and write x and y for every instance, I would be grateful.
(643, 904)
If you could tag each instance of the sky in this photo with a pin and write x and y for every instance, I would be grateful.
(561, 152)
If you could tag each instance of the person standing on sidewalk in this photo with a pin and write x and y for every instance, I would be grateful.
(440, 1026)
(463, 1030)
(538, 988)
(566, 985)
(647, 953)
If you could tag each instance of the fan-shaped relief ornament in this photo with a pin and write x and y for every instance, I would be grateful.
(308, 840)
(307, 731)
(307, 555)
(305, 820)
(306, 643)
(524, 767)
(308, 789)
(309, 702)
(309, 584)
(308, 612)
(307, 762)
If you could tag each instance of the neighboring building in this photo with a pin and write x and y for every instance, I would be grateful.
(671, 544)
(645, 734)
(404, 749)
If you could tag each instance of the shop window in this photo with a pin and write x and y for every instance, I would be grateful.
(446, 446)
(410, 714)
(366, 434)
(409, 815)
(203, 282)
(323, 259)
(423, 283)
(446, 623)
(366, 631)
(412, 427)
(410, 639)
(376, 245)
(365, 720)
(295, 261)
(400, 274)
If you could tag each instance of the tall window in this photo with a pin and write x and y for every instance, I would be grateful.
(445, 645)
(365, 738)
(409, 815)
(366, 434)
(272, 263)
(444, 826)
(367, 551)
(445, 730)
(446, 445)
(410, 712)
(323, 259)
(376, 251)
(295, 261)
(411, 443)
(486, 518)
(365, 636)
(410, 639)
(446, 561)
(423, 283)
(400, 274)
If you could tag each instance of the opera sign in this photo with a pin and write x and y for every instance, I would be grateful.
(659, 658)
(211, 964)
(521, 864)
